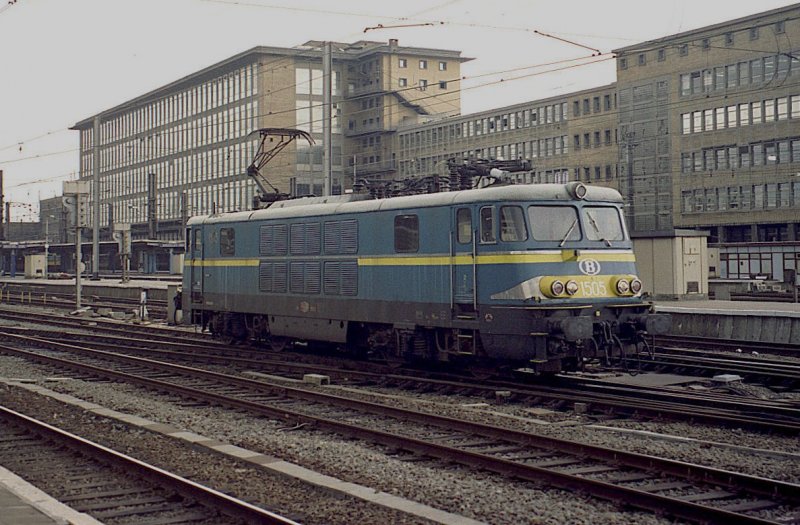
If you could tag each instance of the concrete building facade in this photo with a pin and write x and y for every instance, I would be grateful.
(183, 149)
(710, 122)
(569, 137)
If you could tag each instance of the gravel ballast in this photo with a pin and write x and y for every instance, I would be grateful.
(455, 489)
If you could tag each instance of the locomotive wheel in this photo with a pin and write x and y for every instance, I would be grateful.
(643, 348)
(278, 343)
(390, 359)
(481, 373)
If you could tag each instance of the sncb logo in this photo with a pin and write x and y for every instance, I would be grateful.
(589, 267)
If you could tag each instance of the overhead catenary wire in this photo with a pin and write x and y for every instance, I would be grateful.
(368, 95)
(344, 13)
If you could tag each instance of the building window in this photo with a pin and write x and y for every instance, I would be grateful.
(780, 27)
(706, 43)
(753, 33)
(403, 82)
(642, 59)
(607, 102)
(662, 55)
(683, 50)
(423, 64)
(623, 63)
(423, 84)
(442, 85)
(403, 63)
(729, 38)
(576, 108)
(442, 66)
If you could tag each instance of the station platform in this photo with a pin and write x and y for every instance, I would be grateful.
(770, 322)
(103, 287)
(23, 504)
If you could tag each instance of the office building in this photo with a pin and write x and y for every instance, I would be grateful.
(183, 149)
(709, 125)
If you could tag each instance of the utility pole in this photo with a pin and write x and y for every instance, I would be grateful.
(327, 149)
(47, 244)
(629, 145)
(184, 213)
(152, 218)
(2, 207)
(96, 200)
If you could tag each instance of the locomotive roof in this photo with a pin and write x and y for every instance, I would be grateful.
(320, 206)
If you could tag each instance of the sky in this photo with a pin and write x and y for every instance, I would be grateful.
(62, 61)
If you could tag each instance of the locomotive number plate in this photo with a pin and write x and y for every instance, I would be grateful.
(593, 288)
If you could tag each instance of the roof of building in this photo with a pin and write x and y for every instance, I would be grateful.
(311, 49)
(687, 35)
(444, 120)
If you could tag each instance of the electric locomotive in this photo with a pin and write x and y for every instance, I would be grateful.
(536, 276)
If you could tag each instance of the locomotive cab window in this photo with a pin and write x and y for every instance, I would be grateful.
(554, 223)
(198, 241)
(227, 241)
(603, 224)
(512, 224)
(406, 233)
(464, 226)
(487, 225)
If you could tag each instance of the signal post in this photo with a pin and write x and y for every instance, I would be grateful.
(76, 197)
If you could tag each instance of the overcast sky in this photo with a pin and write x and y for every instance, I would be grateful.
(62, 61)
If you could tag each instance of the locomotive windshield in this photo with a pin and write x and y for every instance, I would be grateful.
(602, 224)
(562, 224)
(554, 223)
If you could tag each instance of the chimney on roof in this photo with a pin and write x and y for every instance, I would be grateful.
(393, 43)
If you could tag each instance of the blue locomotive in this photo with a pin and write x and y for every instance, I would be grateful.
(541, 276)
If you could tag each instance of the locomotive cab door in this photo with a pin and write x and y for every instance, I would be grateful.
(463, 268)
(196, 267)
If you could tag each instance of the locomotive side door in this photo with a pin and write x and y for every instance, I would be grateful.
(196, 268)
(463, 268)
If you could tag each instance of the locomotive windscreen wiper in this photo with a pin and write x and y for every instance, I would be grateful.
(569, 232)
(593, 222)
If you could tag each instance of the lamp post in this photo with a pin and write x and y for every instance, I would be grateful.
(47, 244)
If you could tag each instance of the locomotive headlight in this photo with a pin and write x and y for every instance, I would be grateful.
(623, 287)
(572, 287)
(636, 286)
(557, 288)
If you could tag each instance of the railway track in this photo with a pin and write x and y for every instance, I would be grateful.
(772, 372)
(650, 402)
(157, 309)
(675, 488)
(710, 343)
(110, 486)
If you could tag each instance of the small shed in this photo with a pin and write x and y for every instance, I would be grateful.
(35, 265)
(673, 265)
